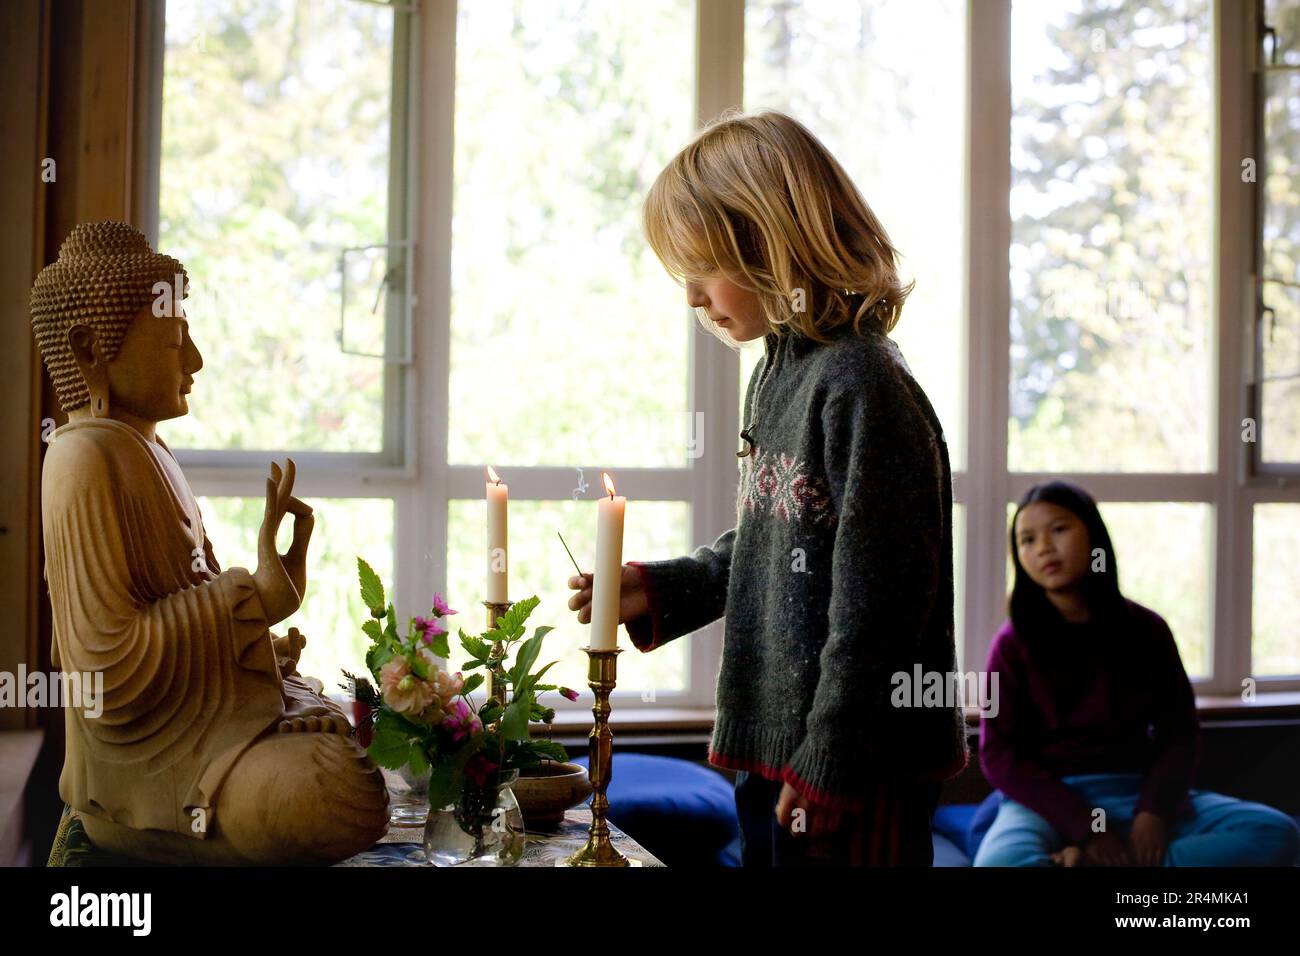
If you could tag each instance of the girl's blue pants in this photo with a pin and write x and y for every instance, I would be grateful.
(1219, 830)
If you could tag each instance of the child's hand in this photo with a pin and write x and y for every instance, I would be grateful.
(815, 821)
(1148, 839)
(632, 600)
(1105, 849)
(1068, 856)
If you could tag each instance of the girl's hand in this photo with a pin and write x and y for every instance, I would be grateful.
(817, 821)
(1147, 839)
(632, 600)
(1105, 849)
(1068, 856)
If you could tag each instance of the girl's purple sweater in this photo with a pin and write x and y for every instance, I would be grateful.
(1088, 701)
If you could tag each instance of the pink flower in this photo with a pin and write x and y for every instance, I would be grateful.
(478, 769)
(569, 692)
(403, 691)
(447, 686)
(429, 628)
(440, 607)
(461, 721)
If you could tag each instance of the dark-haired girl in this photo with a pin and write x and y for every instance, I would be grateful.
(1095, 741)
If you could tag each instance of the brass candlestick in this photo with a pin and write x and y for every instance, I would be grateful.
(495, 612)
(602, 674)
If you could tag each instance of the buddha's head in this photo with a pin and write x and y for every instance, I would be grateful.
(111, 328)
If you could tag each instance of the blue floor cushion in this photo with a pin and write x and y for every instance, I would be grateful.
(947, 853)
(962, 827)
(682, 812)
(952, 822)
(981, 820)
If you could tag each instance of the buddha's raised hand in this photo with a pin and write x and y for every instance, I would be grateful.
(282, 579)
(288, 648)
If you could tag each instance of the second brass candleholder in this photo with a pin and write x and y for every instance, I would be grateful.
(495, 611)
(602, 674)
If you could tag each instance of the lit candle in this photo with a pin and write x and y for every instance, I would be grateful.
(608, 571)
(498, 495)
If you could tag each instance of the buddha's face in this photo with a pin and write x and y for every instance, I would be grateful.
(154, 367)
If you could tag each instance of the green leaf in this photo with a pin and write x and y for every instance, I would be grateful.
(372, 589)
(377, 657)
(447, 779)
(472, 683)
(444, 785)
(489, 711)
(390, 626)
(419, 762)
(512, 622)
(514, 725)
(526, 657)
(439, 646)
(477, 648)
(548, 749)
(529, 684)
(391, 746)
(419, 666)
(372, 630)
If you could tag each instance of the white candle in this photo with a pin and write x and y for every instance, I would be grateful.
(608, 571)
(498, 495)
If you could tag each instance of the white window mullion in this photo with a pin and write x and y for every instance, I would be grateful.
(434, 123)
(1233, 297)
(714, 369)
(988, 311)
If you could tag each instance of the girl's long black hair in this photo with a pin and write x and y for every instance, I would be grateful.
(1033, 615)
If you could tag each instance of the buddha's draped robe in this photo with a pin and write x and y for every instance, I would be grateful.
(190, 675)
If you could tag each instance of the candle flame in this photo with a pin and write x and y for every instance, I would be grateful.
(609, 483)
(493, 475)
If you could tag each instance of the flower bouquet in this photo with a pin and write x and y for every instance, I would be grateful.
(425, 718)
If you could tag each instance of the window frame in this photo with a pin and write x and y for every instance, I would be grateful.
(1261, 68)
(424, 483)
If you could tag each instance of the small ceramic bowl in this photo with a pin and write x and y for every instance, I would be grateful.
(546, 791)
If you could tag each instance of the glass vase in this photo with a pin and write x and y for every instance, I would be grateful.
(484, 827)
(408, 797)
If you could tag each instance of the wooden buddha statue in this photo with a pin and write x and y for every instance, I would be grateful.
(210, 748)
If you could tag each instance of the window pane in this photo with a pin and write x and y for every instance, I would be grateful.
(1284, 17)
(904, 145)
(1275, 646)
(332, 612)
(1279, 431)
(1112, 162)
(652, 530)
(1280, 426)
(568, 339)
(275, 156)
(1163, 552)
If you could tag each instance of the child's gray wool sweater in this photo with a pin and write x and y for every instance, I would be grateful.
(837, 576)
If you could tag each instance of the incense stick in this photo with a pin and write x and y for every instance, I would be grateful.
(571, 558)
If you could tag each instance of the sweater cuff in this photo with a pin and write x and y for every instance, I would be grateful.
(816, 772)
(682, 600)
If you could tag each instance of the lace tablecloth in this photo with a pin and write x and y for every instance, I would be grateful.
(403, 845)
